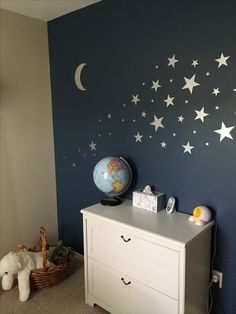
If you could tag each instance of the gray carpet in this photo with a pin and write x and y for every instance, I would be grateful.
(64, 298)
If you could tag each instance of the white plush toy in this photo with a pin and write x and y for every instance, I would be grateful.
(21, 264)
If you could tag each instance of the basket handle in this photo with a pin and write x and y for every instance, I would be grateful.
(43, 241)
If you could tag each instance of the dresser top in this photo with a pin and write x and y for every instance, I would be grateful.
(175, 226)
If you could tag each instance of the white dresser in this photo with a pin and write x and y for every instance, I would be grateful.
(138, 261)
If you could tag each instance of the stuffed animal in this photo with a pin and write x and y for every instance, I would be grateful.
(20, 263)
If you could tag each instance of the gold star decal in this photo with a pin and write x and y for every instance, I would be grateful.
(195, 63)
(138, 137)
(157, 123)
(172, 61)
(216, 91)
(92, 146)
(224, 131)
(190, 83)
(169, 101)
(188, 148)
(155, 85)
(201, 114)
(222, 60)
(135, 99)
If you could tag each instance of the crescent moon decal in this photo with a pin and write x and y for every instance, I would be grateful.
(78, 77)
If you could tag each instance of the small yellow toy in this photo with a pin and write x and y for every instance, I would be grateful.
(201, 215)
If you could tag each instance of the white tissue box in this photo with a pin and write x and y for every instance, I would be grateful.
(153, 202)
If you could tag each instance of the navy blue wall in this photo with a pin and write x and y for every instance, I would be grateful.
(126, 46)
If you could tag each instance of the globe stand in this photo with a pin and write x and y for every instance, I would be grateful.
(111, 201)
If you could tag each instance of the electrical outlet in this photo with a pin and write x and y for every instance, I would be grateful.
(217, 278)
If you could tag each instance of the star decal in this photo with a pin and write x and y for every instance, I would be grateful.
(92, 146)
(172, 61)
(147, 98)
(157, 123)
(190, 83)
(216, 91)
(163, 144)
(188, 148)
(201, 114)
(195, 63)
(138, 137)
(135, 99)
(224, 131)
(155, 85)
(222, 60)
(143, 114)
(169, 101)
(180, 119)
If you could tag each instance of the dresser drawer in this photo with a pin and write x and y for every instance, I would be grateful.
(150, 263)
(126, 295)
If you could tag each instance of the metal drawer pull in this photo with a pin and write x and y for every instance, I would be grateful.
(125, 239)
(126, 283)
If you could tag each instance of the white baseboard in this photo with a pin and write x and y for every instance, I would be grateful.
(79, 256)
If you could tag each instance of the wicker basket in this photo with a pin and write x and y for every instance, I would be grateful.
(46, 277)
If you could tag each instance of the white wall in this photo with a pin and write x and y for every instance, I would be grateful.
(27, 169)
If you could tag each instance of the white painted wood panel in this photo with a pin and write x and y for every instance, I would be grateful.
(172, 227)
(148, 262)
(107, 285)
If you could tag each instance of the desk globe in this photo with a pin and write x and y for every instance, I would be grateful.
(112, 175)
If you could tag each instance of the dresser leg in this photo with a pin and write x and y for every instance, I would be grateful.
(89, 300)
